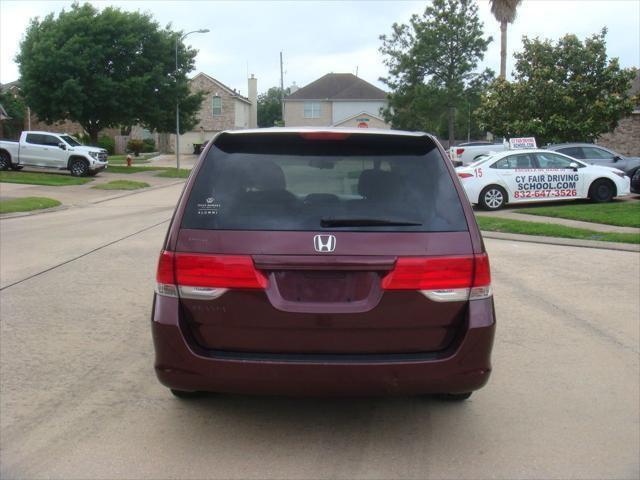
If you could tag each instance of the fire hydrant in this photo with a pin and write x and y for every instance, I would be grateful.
(129, 160)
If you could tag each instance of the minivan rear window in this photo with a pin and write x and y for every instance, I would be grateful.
(287, 182)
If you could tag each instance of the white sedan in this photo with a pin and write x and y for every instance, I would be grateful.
(519, 176)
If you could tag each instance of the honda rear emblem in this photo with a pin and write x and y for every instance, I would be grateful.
(324, 243)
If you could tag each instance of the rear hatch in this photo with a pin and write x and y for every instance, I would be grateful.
(322, 243)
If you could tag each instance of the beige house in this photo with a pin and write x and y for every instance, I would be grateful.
(222, 109)
(336, 99)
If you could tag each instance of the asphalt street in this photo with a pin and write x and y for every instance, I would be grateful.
(79, 398)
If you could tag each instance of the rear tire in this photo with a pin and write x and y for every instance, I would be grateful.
(602, 190)
(185, 395)
(493, 197)
(5, 161)
(79, 168)
(454, 397)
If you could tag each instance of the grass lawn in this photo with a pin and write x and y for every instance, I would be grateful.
(623, 214)
(173, 173)
(52, 179)
(494, 224)
(122, 159)
(27, 204)
(121, 185)
(134, 169)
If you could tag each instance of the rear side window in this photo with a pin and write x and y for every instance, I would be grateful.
(361, 183)
(575, 152)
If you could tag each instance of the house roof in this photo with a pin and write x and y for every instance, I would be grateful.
(8, 86)
(338, 86)
(230, 91)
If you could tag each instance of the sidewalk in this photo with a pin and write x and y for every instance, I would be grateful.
(598, 227)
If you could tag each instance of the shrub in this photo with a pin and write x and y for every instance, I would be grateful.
(149, 145)
(107, 143)
(135, 146)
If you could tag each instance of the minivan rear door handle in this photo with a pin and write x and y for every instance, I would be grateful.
(324, 262)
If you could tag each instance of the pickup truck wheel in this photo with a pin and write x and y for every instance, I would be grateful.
(5, 161)
(79, 168)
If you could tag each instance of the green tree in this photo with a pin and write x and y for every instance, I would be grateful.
(105, 69)
(438, 50)
(505, 12)
(270, 107)
(425, 108)
(561, 92)
(16, 110)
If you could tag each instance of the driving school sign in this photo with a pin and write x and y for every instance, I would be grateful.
(523, 142)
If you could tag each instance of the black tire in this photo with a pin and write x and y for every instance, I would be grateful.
(493, 197)
(5, 161)
(79, 168)
(454, 397)
(16, 167)
(183, 394)
(602, 190)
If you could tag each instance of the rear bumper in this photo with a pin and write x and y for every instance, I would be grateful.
(466, 366)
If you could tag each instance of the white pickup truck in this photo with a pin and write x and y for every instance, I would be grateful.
(467, 153)
(54, 151)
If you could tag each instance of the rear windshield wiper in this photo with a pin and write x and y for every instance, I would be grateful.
(366, 222)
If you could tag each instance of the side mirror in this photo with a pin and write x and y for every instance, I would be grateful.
(616, 158)
(573, 166)
(62, 146)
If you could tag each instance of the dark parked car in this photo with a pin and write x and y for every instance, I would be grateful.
(635, 181)
(329, 262)
(599, 155)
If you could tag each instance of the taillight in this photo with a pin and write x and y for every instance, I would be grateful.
(192, 275)
(459, 151)
(165, 276)
(464, 175)
(442, 279)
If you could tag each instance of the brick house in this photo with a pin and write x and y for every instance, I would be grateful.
(625, 139)
(222, 109)
(336, 99)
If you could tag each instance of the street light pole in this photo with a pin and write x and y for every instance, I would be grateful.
(204, 30)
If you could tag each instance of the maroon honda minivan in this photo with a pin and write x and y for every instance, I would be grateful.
(323, 262)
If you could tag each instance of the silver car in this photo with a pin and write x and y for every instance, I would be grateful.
(598, 155)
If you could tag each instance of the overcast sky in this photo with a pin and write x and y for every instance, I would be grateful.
(329, 36)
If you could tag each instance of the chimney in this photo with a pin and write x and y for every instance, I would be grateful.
(293, 88)
(253, 98)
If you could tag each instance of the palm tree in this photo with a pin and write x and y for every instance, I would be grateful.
(505, 12)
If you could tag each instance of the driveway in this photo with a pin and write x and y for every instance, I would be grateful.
(79, 399)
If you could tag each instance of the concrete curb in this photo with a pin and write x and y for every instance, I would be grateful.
(566, 242)
(135, 192)
(6, 216)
